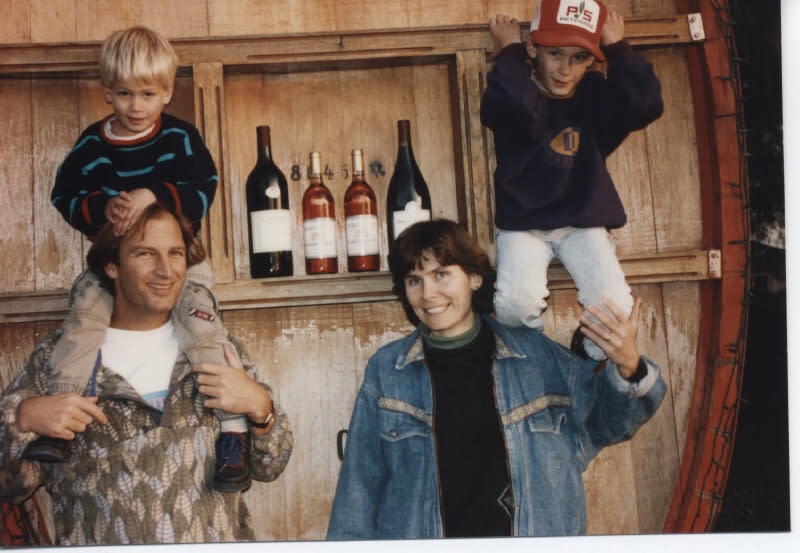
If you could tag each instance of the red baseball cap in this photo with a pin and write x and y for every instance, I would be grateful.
(569, 23)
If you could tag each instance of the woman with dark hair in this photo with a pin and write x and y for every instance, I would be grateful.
(468, 428)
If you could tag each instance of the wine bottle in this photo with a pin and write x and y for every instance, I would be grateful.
(269, 223)
(319, 223)
(361, 221)
(407, 199)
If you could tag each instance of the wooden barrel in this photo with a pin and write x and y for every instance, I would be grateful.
(333, 76)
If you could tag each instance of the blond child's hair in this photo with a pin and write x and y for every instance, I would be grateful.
(138, 54)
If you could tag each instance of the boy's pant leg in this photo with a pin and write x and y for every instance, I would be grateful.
(203, 335)
(589, 256)
(521, 286)
(74, 355)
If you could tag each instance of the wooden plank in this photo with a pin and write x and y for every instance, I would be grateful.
(432, 135)
(58, 251)
(375, 324)
(654, 448)
(632, 179)
(52, 20)
(312, 351)
(477, 191)
(176, 18)
(16, 225)
(254, 16)
(682, 306)
(96, 19)
(353, 288)
(672, 155)
(301, 50)
(15, 25)
(209, 103)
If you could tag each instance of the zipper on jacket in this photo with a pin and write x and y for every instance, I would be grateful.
(436, 449)
(505, 444)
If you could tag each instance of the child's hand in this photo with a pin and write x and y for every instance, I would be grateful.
(137, 200)
(613, 29)
(116, 208)
(505, 30)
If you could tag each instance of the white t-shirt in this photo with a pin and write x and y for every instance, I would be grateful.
(145, 358)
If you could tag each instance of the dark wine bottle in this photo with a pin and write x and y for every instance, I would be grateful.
(408, 199)
(269, 223)
(319, 223)
(361, 221)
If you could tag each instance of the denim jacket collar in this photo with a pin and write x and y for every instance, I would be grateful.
(506, 346)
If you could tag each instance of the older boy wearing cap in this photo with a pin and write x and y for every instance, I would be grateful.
(555, 121)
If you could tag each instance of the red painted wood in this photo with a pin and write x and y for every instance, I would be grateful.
(710, 437)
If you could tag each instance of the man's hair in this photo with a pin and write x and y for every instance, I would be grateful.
(106, 247)
(450, 244)
(138, 54)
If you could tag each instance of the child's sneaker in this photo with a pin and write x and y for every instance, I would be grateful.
(46, 449)
(232, 471)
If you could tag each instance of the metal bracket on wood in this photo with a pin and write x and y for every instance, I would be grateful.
(714, 263)
(696, 29)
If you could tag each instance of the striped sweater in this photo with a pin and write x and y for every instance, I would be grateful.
(171, 161)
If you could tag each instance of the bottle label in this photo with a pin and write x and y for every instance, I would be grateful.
(272, 230)
(362, 234)
(413, 213)
(319, 235)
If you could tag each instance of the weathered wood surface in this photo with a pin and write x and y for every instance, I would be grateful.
(314, 356)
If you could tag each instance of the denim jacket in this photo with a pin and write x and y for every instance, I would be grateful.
(557, 414)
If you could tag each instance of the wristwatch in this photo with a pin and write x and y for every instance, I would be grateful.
(267, 421)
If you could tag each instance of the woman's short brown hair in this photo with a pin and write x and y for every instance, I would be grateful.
(106, 246)
(450, 244)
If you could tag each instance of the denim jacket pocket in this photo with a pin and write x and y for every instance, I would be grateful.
(399, 420)
(543, 414)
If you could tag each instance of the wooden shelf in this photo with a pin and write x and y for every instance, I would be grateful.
(362, 287)
(293, 52)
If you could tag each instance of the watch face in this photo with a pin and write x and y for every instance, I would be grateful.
(266, 422)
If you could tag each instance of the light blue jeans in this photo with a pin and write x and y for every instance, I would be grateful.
(522, 260)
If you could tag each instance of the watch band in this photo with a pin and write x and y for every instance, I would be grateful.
(267, 421)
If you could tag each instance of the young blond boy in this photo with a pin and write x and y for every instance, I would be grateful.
(555, 121)
(129, 160)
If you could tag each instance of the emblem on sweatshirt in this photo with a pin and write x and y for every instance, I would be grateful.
(201, 315)
(567, 142)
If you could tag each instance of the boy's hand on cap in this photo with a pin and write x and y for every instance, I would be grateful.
(505, 30)
(613, 29)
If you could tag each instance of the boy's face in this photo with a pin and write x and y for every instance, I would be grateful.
(560, 68)
(137, 105)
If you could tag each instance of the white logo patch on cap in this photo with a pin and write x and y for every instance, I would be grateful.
(580, 13)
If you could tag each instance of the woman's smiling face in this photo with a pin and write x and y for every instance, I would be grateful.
(441, 296)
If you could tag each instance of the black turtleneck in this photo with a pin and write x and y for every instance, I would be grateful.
(471, 454)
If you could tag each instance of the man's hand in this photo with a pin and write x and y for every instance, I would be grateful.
(613, 29)
(615, 334)
(505, 30)
(231, 389)
(60, 415)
